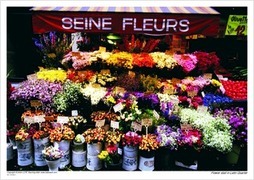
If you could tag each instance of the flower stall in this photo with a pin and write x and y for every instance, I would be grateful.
(129, 106)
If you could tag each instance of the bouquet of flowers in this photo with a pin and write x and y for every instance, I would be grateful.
(206, 61)
(25, 133)
(131, 139)
(69, 98)
(163, 60)
(217, 135)
(216, 101)
(94, 92)
(50, 153)
(80, 76)
(59, 134)
(121, 59)
(79, 60)
(110, 155)
(36, 89)
(52, 46)
(149, 142)
(168, 137)
(113, 137)
(143, 60)
(238, 122)
(40, 134)
(52, 75)
(191, 138)
(187, 61)
(12, 131)
(94, 135)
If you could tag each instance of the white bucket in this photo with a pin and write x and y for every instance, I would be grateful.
(24, 145)
(65, 160)
(9, 151)
(94, 149)
(25, 157)
(63, 145)
(53, 165)
(39, 144)
(39, 160)
(93, 163)
(79, 158)
(130, 158)
(146, 164)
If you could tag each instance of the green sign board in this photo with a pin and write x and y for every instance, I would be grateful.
(237, 25)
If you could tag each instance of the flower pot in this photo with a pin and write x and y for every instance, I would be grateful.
(63, 145)
(9, 151)
(78, 158)
(233, 156)
(187, 158)
(164, 159)
(78, 147)
(146, 160)
(94, 149)
(130, 158)
(25, 154)
(93, 163)
(65, 160)
(113, 167)
(39, 145)
(53, 165)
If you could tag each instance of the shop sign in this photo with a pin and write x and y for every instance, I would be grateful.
(237, 25)
(123, 23)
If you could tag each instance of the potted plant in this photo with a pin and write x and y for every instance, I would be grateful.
(112, 159)
(94, 138)
(78, 143)
(130, 142)
(147, 147)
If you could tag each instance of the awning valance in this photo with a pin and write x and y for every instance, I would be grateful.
(127, 20)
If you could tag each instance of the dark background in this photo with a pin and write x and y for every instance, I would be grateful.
(22, 58)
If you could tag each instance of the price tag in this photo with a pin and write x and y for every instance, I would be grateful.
(136, 126)
(222, 89)
(114, 124)
(74, 113)
(186, 127)
(39, 119)
(202, 109)
(120, 151)
(146, 122)
(156, 115)
(208, 76)
(28, 120)
(220, 76)
(35, 103)
(192, 93)
(31, 77)
(102, 49)
(100, 123)
(62, 119)
(118, 107)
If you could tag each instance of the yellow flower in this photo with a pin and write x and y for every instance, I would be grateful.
(215, 83)
(183, 87)
(103, 155)
(52, 75)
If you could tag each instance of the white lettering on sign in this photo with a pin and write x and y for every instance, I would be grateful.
(80, 23)
(149, 24)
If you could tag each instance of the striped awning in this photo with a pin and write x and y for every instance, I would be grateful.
(174, 10)
(132, 20)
